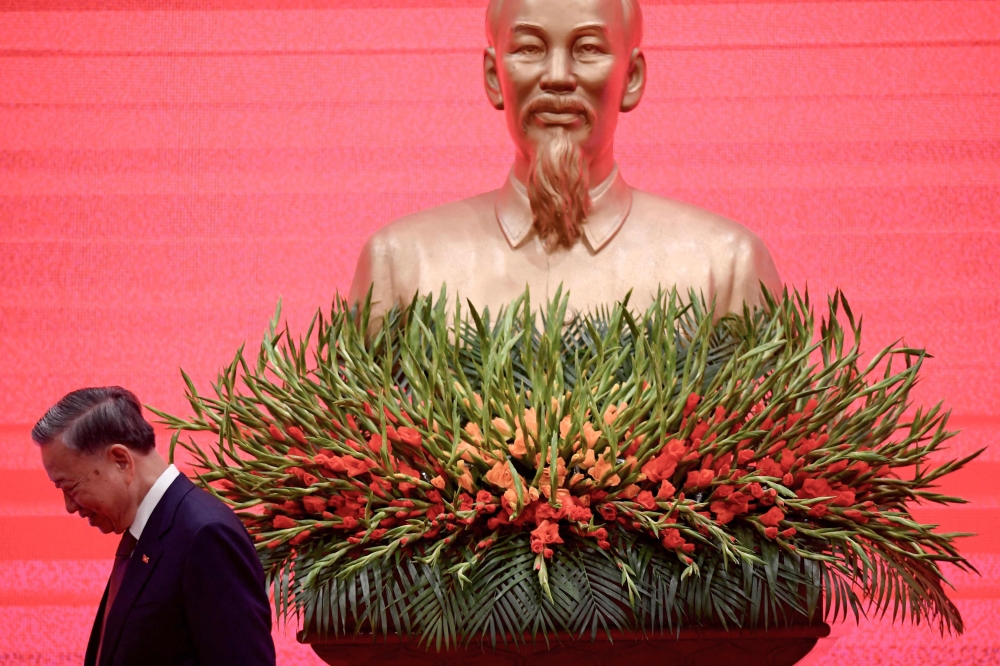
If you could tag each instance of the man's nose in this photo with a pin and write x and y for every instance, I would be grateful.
(558, 76)
(71, 506)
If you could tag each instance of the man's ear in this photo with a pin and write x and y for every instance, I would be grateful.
(491, 80)
(636, 83)
(121, 458)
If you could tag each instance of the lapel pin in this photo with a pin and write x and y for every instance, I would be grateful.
(145, 559)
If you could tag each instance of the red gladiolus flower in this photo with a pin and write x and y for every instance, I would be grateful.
(666, 491)
(661, 467)
(789, 533)
(485, 543)
(771, 532)
(769, 497)
(484, 496)
(609, 512)
(744, 456)
(672, 539)
(604, 545)
(818, 511)
(691, 403)
(768, 467)
(537, 546)
(808, 446)
(354, 466)
(646, 500)
(856, 516)
(276, 434)
(772, 517)
(314, 504)
(296, 434)
(723, 515)
(844, 498)
(283, 523)
(837, 467)
(547, 553)
(724, 491)
(300, 537)
(700, 478)
(688, 548)
(410, 436)
(787, 480)
(378, 534)
(815, 488)
(739, 503)
(547, 532)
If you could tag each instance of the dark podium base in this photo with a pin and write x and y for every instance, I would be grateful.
(694, 647)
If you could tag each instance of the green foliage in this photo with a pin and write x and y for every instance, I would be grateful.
(392, 480)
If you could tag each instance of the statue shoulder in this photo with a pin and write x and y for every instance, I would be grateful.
(673, 217)
(389, 256)
(734, 249)
(428, 227)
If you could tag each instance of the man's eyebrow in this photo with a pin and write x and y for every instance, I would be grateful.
(599, 27)
(532, 28)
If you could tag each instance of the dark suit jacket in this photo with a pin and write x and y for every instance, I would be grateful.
(193, 592)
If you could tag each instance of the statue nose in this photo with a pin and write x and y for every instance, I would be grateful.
(558, 75)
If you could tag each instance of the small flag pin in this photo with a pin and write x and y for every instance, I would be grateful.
(145, 559)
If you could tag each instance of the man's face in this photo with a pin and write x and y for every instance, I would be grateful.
(562, 66)
(95, 485)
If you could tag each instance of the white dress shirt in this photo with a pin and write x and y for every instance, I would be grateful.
(151, 499)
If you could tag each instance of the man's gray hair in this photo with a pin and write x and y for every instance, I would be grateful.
(630, 10)
(91, 419)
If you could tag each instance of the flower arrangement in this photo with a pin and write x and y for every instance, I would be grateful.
(466, 477)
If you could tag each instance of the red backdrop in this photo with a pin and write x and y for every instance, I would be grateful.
(169, 170)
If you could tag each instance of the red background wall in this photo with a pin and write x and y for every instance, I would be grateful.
(169, 170)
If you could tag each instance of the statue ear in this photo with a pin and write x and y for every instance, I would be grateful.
(636, 83)
(491, 80)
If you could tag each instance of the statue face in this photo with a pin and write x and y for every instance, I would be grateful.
(563, 66)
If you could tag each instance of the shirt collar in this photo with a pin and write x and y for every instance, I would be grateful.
(610, 203)
(151, 499)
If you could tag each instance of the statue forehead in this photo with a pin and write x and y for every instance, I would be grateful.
(562, 13)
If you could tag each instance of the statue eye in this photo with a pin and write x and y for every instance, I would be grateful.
(528, 49)
(589, 49)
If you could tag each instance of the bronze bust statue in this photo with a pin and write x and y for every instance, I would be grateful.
(562, 71)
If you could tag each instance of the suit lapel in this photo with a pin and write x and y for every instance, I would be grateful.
(145, 557)
(90, 659)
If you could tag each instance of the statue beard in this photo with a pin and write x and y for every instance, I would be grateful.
(558, 179)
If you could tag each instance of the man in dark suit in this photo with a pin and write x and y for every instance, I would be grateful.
(186, 586)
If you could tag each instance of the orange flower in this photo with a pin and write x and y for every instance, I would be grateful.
(531, 421)
(474, 432)
(500, 476)
(438, 482)
(613, 411)
(465, 480)
(564, 426)
(501, 427)
(545, 482)
(630, 491)
(590, 435)
(468, 452)
(517, 449)
(601, 469)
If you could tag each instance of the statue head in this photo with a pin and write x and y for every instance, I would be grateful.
(562, 71)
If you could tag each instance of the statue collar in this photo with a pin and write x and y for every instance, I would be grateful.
(610, 205)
